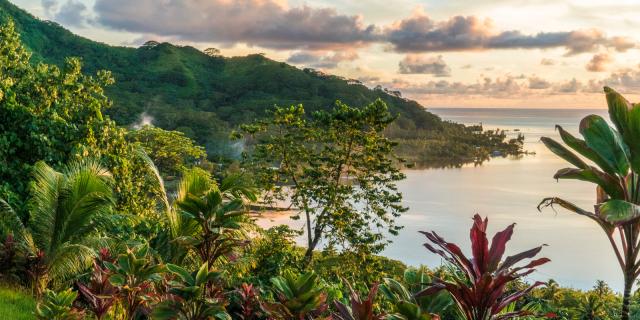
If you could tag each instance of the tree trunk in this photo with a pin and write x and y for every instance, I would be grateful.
(626, 298)
(308, 255)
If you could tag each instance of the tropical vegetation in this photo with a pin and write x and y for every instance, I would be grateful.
(103, 221)
(614, 156)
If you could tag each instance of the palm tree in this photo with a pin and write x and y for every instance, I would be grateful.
(614, 156)
(64, 213)
(205, 218)
(551, 290)
(591, 307)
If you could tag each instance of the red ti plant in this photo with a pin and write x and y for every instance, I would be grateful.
(360, 309)
(249, 304)
(99, 294)
(480, 294)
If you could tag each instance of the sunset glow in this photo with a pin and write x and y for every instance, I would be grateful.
(546, 54)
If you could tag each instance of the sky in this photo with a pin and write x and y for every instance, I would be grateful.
(453, 53)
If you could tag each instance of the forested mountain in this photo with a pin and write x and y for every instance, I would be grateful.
(204, 95)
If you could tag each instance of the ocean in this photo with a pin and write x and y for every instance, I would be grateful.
(507, 190)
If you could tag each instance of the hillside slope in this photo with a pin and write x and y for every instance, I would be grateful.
(204, 96)
(182, 88)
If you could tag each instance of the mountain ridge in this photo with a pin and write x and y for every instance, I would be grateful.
(202, 95)
(206, 96)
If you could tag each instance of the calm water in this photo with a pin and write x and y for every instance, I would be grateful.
(508, 190)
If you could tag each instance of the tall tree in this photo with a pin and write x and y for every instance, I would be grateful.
(336, 168)
(64, 215)
(56, 115)
(171, 151)
(614, 156)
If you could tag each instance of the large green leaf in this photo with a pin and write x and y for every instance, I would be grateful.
(619, 211)
(626, 117)
(563, 152)
(606, 142)
(117, 280)
(181, 272)
(609, 184)
(202, 275)
(581, 147)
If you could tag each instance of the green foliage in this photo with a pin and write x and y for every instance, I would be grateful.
(270, 253)
(47, 113)
(358, 308)
(336, 168)
(58, 306)
(98, 293)
(331, 161)
(298, 296)
(64, 212)
(453, 145)
(195, 300)
(216, 224)
(135, 273)
(406, 304)
(171, 151)
(614, 153)
(205, 218)
(56, 115)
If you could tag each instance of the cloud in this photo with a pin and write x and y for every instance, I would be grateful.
(599, 62)
(517, 87)
(571, 86)
(538, 83)
(625, 80)
(276, 25)
(72, 13)
(499, 87)
(266, 23)
(510, 86)
(419, 33)
(49, 6)
(416, 64)
(547, 62)
(368, 79)
(321, 60)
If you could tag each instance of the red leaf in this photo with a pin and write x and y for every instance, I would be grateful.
(482, 293)
(479, 244)
(512, 260)
(498, 246)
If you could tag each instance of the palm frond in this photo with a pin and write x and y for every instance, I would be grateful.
(9, 220)
(159, 187)
(69, 261)
(44, 207)
(64, 210)
(193, 182)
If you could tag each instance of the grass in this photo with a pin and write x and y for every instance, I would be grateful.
(16, 303)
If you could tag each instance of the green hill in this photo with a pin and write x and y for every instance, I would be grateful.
(204, 96)
(185, 89)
